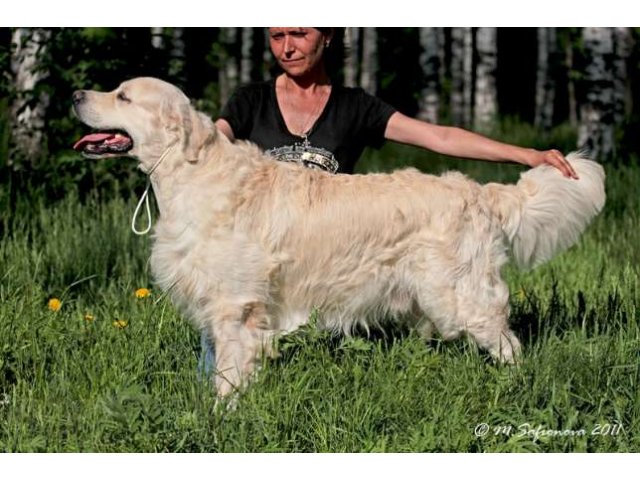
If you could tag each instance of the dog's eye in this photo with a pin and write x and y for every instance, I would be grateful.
(121, 96)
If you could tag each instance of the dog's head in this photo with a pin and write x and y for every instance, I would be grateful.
(141, 118)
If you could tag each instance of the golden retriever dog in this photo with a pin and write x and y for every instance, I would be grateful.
(248, 246)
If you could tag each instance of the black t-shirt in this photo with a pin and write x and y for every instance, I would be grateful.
(350, 121)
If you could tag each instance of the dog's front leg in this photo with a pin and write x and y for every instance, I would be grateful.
(241, 337)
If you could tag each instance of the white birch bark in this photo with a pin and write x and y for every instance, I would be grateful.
(468, 75)
(545, 81)
(368, 75)
(29, 107)
(177, 54)
(228, 72)
(442, 41)
(157, 38)
(486, 95)
(246, 62)
(429, 102)
(596, 131)
(351, 44)
(622, 97)
(267, 57)
(461, 75)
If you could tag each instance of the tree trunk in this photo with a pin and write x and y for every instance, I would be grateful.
(368, 76)
(571, 85)
(623, 46)
(177, 54)
(351, 44)
(461, 75)
(457, 76)
(443, 75)
(486, 95)
(228, 72)
(596, 132)
(267, 57)
(157, 38)
(468, 75)
(429, 103)
(545, 80)
(246, 62)
(28, 110)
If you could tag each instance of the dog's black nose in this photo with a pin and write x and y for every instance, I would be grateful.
(78, 97)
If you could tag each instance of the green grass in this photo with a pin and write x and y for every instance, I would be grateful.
(69, 384)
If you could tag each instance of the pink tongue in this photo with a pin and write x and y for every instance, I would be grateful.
(92, 138)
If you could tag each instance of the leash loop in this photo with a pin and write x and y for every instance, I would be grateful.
(145, 196)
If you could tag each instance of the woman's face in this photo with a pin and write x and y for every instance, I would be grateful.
(298, 50)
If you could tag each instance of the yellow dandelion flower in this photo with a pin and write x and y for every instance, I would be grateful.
(54, 304)
(142, 292)
(120, 323)
(89, 318)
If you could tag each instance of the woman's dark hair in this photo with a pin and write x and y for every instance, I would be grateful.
(334, 54)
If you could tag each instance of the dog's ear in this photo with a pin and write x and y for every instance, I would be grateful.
(203, 134)
(175, 119)
(193, 130)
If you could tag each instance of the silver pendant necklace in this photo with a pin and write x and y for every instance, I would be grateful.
(305, 140)
(304, 153)
(304, 129)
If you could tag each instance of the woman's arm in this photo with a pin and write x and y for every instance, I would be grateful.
(462, 143)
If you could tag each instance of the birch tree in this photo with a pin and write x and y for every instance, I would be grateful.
(368, 75)
(157, 38)
(351, 44)
(266, 56)
(486, 95)
(461, 75)
(30, 105)
(545, 78)
(177, 53)
(596, 131)
(623, 46)
(246, 59)
(429, 102)
(228, 73)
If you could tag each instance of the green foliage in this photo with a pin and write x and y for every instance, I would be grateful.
(68, 383)
(5, 62)
(93, 58)
(4, 133)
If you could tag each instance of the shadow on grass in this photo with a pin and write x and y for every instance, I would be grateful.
(532, 319)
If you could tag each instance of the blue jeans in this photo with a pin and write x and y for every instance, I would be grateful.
(207, 360)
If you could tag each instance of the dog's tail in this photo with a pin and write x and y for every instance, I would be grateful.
(545, 212)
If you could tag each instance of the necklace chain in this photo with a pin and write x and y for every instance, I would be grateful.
(305, 127)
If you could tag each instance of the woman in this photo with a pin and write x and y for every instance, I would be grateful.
(301, 117)
(302, 107)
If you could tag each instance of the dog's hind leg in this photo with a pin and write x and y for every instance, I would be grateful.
(479, 311)
(485, 310)
(241, 338)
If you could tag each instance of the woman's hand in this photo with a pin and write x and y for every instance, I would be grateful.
(553, 158)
